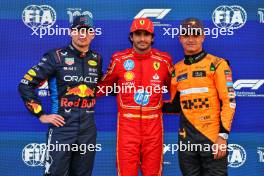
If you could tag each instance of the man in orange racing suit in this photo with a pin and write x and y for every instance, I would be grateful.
(207, 103)
(147, 72)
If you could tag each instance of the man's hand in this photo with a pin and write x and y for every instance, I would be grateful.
(54, 119)
(220, 148)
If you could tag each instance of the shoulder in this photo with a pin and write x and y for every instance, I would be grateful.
(61, 50)
(56, 54)
(164, 56)
(215, 60)
(121, 55)
(179, 63)
(97, 56)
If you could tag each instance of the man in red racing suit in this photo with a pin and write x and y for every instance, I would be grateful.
(143, 74)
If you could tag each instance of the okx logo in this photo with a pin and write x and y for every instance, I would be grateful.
(229, 16)
(35, 16)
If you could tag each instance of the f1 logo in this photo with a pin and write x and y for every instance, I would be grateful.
(254, 84)
(156, 13)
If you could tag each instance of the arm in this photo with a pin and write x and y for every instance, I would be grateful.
(224, 86)
(100, 67)
(108, 79)
(32, 79)
(173, 106)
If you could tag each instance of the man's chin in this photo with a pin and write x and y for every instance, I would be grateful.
(191, 49)
(81, 44)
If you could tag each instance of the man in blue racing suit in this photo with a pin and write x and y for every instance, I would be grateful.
(72, 73)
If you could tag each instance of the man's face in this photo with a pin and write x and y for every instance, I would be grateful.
(82, 37)
(192, 44)
(141, 40)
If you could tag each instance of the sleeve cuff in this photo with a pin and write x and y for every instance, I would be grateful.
(222, 129)
(39, 114)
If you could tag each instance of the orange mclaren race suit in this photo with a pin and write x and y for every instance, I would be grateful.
(140, 125)
(207, 102)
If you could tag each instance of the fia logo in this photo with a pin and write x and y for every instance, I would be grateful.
(229, 16)
(35, 16)
(33, 154)
(237, 155)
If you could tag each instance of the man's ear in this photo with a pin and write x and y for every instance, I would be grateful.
(179, 37)
(91, 32)
(73, 32)
(203, 37)
(131, 37)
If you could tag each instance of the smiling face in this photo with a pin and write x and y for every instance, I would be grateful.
(192, 44)
(142, 40)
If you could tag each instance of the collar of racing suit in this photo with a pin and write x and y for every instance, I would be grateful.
(141, 56)
(77, 52)
(191, 59)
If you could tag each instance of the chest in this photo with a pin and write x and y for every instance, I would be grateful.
(195, 75)
(143, 72)
(73, 70)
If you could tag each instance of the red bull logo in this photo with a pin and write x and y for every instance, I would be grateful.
(65, 102)
(81, 91)
(35, 107)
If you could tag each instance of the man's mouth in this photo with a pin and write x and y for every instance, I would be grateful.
(190, 44)
(82, 39)
(142, 43)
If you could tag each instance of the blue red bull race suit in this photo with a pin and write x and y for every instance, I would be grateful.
(72, 78)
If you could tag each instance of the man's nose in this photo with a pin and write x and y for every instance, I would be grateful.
(142, 37)
(82, 35)
(190, 38)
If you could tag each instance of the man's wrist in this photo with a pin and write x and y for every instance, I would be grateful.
(223, 135)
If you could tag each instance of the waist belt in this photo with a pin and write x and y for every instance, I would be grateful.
(152, 116)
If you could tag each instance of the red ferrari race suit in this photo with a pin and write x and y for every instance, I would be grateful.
(140, 125)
